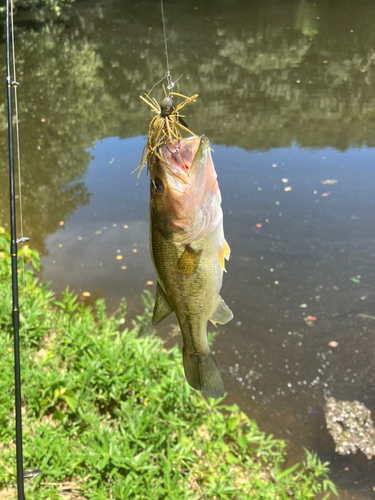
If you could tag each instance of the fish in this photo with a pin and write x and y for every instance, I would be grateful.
(188, 250)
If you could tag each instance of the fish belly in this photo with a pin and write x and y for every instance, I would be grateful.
(190, 278)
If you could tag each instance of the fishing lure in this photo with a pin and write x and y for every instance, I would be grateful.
(166, 126)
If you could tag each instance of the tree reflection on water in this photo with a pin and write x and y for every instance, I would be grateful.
(267, 76)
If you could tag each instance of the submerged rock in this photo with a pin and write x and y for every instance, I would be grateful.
(350, 426)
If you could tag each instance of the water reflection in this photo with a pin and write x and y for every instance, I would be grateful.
(285, 92)
(267, 75)
(104, 247)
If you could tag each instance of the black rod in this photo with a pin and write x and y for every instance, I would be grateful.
(13, 251)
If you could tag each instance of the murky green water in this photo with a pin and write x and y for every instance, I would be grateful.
(286, 91)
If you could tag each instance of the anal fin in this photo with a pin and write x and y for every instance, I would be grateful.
(222, 314)
(162, 308)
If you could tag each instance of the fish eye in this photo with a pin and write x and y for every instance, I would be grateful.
(159, 186)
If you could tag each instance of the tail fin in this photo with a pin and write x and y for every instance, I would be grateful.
(203, 374)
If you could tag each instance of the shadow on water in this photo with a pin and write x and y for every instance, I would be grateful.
(286, 98)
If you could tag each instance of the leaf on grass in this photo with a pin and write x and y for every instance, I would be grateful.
(96, 447)
(103, 462)
(254, 439)
(233, 408)
(284, 495)
(71, 402)
(232, 423)
(288, 471)
(242, 442)
(332, 487)
(58, 415)
(232, 459)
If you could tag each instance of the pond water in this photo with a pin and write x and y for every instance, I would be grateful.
(286, 97)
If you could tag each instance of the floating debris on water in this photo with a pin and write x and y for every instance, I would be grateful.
(333, 343)
(329, 181)
(367, 316)
(309, 320)
(350, 426)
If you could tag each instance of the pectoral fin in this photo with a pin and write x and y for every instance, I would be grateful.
(224, 253)
(188, 262)
(162, 308)
(222, 314)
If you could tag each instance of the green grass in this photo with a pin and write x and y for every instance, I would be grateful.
(108, 414)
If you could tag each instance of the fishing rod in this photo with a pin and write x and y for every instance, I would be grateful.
(32, 473)
(13, 252)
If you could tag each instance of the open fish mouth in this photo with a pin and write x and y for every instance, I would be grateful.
(182, 157)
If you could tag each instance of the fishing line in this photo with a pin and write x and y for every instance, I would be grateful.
(157, 83)
(15, 86)
(170, 86)
(169, 78)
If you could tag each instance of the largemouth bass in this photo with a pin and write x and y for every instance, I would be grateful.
(188, 249)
